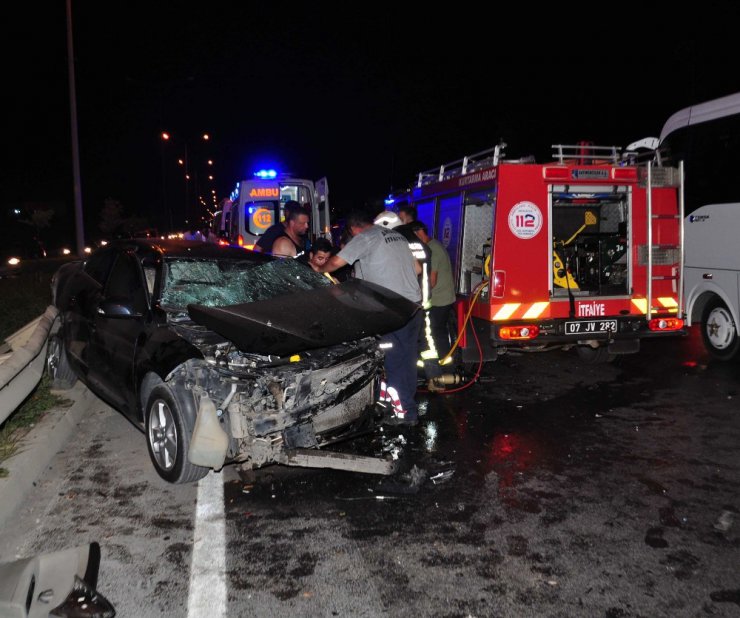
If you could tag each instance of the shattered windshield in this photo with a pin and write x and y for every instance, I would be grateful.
(221, 282)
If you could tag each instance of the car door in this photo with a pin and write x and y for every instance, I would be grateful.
(81, 298)
(120, 322)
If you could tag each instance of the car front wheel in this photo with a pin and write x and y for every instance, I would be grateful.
(168, 434)
(719, 331)
(57, 365)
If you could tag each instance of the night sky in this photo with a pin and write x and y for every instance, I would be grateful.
(364, 94)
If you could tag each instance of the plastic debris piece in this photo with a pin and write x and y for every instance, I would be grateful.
(441, 477)
(724, 521)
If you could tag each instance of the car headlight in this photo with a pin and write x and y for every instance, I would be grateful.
(14, 261)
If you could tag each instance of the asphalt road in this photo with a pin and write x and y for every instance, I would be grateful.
(549, 488)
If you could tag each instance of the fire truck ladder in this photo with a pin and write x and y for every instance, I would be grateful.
(460, 167)
(654, 177)
(585, 153)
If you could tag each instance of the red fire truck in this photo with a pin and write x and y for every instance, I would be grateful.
(583, 252)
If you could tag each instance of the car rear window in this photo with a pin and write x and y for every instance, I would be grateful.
(218, 283)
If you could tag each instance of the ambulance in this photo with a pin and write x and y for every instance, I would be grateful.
(255, 204)
(583, 252)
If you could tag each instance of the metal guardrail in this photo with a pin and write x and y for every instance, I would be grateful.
(22, 365)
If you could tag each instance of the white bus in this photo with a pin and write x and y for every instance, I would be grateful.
(706, 137)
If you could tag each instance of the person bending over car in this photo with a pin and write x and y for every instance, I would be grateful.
(382, 256)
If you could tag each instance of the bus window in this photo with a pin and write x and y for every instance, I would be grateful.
(709, 150)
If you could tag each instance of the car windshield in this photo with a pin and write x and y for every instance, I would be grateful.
(221, 282)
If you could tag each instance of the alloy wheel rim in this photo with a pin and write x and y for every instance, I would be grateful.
(163, 434)
(52, 358)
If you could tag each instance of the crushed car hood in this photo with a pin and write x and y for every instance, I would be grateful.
(309, 319)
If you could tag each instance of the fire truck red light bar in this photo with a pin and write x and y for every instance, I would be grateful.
(555, 173)
(529, 331)
(624, 173)
(663, 324)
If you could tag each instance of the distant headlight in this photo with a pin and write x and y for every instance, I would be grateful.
(88, 250)
(66, 251)
(14, 261)
(103, 242)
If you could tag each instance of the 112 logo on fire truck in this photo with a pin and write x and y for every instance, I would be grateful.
(525, 220)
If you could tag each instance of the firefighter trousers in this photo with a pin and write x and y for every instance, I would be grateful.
(401, 349)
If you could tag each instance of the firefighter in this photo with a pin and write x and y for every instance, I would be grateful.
(403, 223)
(380, 255)
(442, 296)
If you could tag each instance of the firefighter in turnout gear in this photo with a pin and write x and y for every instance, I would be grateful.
(428, 355)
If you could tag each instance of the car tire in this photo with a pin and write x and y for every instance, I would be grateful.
(595, 356)
(60, 372)
(719, 331)
(168, 433)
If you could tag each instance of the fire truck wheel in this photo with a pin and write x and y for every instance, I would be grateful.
(594, 356)
(719, 331)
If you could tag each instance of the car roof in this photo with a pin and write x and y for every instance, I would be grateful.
(189, 249)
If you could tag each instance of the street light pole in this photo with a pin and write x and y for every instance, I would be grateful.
(189, 210)
(165, 203)
(79, 226)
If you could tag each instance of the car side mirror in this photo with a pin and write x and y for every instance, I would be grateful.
(117, 308)
(54, 584)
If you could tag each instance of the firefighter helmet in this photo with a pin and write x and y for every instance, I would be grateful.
(388, 219)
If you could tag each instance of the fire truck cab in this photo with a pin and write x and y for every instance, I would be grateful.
(583, 252)
(256, 204)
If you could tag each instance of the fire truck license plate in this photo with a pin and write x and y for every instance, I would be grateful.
(590, 327)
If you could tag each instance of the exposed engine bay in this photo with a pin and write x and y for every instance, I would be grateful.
(268, 405)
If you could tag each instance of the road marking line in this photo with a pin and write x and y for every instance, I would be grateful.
(207, 596)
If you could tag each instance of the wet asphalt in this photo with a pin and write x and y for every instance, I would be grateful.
(547, 488)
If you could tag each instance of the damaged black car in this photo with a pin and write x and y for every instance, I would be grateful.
(222, 355)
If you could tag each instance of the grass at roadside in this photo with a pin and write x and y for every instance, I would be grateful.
(23, 298)
(25, 417)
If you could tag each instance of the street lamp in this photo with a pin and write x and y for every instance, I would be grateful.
(185, 164)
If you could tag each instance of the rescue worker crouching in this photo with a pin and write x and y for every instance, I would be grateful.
(381, 255)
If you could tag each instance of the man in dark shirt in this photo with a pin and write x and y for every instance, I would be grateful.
(294, 212)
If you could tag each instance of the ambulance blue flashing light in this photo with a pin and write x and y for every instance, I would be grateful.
(266, 174)
(389, 201)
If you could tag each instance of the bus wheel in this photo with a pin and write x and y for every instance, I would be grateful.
(719, 331)
(594, 356)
